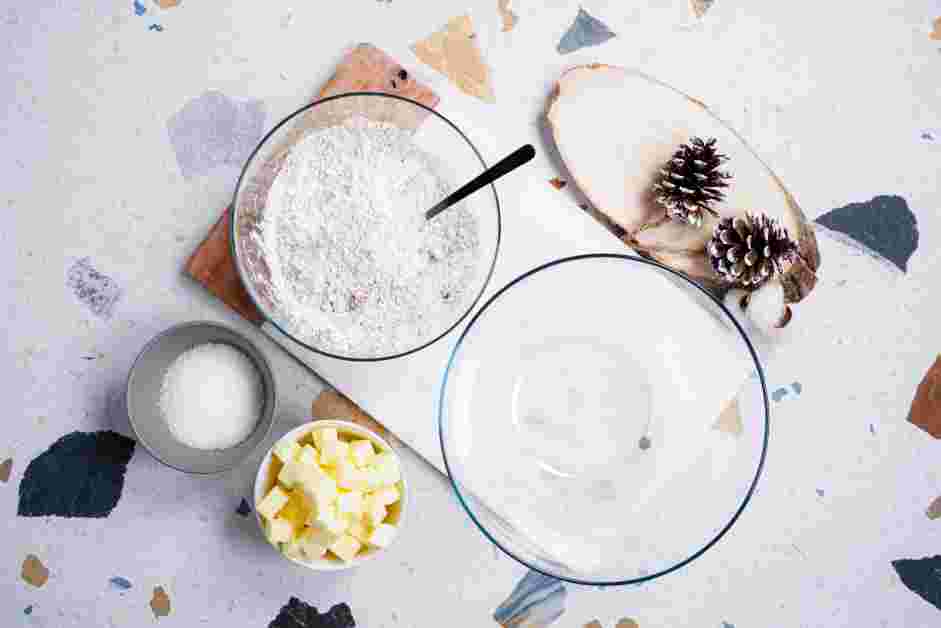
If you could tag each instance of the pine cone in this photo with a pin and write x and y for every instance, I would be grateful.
(747, 250)
(691, 181)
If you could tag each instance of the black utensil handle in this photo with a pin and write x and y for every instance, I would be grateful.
(511, 162)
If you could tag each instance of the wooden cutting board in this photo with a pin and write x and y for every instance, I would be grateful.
(364, 68)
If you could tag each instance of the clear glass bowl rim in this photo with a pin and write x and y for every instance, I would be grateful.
(761, 379)
(233, 225)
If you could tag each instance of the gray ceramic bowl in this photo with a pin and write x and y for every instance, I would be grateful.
(143, 395)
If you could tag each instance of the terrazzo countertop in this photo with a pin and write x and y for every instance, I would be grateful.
(105, 198)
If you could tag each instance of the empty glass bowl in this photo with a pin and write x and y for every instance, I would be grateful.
(455, 159)
(603, 419)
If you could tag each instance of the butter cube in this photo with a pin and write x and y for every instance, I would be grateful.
(350, 504)
(274, 501)
(351, 478)
(328, 520)
(383, 471)
(286, 450)
(308, 456)
(358, 529)
(386, 495)
(346, 548)
(334, 453)
(327, 434)
(294, 549)
(362, 452)
(313, 478)
(382, 536)
(290, 474)
(280, 530)
(313, 544)
(297, 510)
(374, 512)
(315, 538)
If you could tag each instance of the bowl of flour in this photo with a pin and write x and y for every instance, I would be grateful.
(329, 234)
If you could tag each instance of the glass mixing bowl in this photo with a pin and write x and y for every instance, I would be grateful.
(454, 157)
(603, 419)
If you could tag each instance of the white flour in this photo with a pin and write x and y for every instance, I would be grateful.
(355, 268)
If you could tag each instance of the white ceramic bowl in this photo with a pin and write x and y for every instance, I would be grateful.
(396, 515)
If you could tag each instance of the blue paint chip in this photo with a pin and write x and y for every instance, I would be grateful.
(536, 600)
(922, 576)
(785, 391)
(884, 227)
(80, 475)
(119, 583)
(139, 9)
(155, 27)
(726, 624)
(97, 291)
(584, 31)
(215, 130)
(244, 509)
(28, 610)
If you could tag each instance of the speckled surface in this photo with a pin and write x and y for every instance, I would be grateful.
(841, 98)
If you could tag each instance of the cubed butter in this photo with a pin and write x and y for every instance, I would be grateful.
(313, 543)
(351, 478)
(374, 512)
(334, 453)
(383, 471)
(382, 536)
(294, 549)
(297, 510)
(346, 548)
(327, 434)
(286, 450)
(280, 530)
(323, 538)
(274, 501)
(290, 474)
(320, 489)
(362, 452)
(350, 504)
(358, 529)
(308, 456)
(386, 495)
(327, 520)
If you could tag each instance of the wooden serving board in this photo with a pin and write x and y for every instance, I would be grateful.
(364, 68)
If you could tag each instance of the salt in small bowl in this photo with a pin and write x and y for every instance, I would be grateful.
(143, 398)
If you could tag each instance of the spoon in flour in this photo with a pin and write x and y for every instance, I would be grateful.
(508, 164)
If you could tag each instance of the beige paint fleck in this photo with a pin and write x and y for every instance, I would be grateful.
(453, 51)
(730, 421)
(934, 510)
(34, 572)
(700, 7)
(594, 623)
(5, 468)
(509, 18)
(627, 622)
(167, 4)
(160, 603)
(936, 33)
